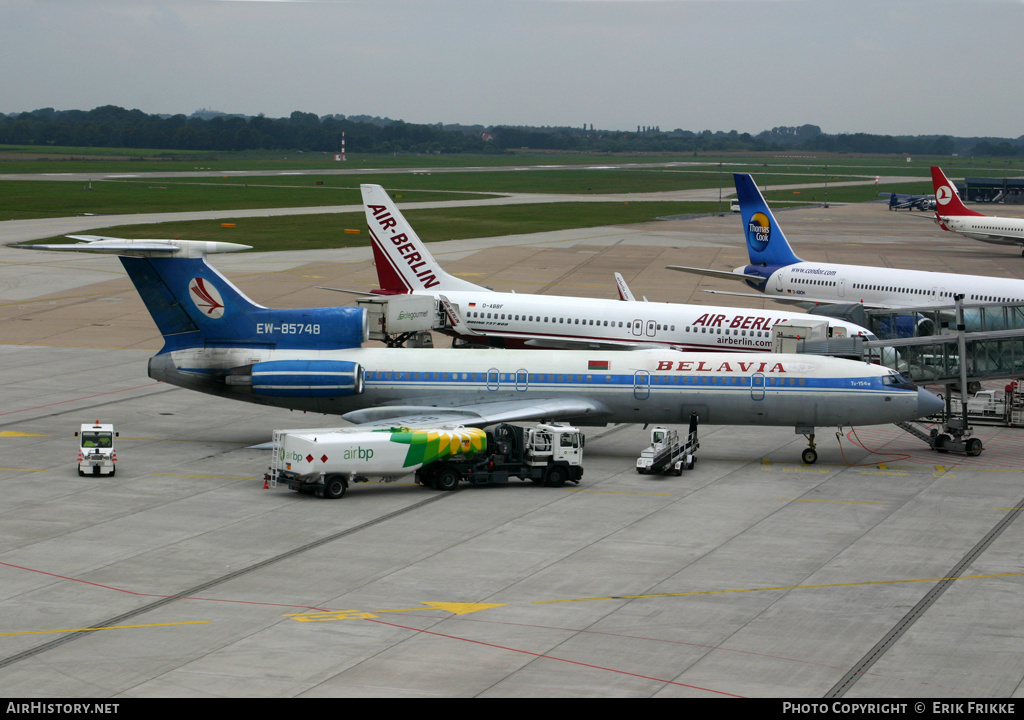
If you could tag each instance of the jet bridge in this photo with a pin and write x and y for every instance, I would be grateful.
(956, 357)
(955, 345)
(402, 320)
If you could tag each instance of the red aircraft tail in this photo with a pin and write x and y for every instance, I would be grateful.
(947, 201)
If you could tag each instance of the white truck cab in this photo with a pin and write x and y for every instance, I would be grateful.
(96, 455)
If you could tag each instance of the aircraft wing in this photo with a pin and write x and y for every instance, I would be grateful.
(566, 344)
(801, 301)
(478, 415)
(725, 274)
(361, 293)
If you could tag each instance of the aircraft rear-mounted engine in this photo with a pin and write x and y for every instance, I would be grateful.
(300, 378)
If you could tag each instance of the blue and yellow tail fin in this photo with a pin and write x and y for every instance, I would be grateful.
(766, 243)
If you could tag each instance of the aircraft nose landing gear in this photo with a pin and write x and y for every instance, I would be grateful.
(810, 454)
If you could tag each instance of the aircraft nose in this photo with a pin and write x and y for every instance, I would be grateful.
(929, 403)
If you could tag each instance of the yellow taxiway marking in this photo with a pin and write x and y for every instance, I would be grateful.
(215, 477)
(111, 627)
(24, 469)
(617, 492)
(12, 433)
(851, 502)
(454, 608)
(784, 587)
(467, 608)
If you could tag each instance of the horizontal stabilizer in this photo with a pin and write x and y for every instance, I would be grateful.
(142, 248)
(725, 274)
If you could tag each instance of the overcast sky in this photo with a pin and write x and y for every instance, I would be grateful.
(892, 67)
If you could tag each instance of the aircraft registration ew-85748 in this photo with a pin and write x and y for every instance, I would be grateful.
(776, 271)
(217, 341)
(521, 320)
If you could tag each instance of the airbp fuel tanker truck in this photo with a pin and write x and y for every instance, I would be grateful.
(326, 461)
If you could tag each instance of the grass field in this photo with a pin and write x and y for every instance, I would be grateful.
(309, 232)
(316, 182)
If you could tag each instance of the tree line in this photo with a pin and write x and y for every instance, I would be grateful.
(112, 126)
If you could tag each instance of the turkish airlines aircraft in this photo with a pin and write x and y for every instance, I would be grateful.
(775, 270)
(519, 320)
(952, 215)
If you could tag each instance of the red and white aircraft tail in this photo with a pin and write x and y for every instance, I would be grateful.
(404, 265)
(947, 200)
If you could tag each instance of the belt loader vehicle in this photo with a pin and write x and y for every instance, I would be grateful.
(666, 453)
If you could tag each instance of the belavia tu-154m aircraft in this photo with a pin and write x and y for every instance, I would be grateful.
(952, 215)
(520, 320)
(775, 270)
(217, 341)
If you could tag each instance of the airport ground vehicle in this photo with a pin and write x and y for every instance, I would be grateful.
(666, 454)
(96, 454)
(326, 461)
(551, 455)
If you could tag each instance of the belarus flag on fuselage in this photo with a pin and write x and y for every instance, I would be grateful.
(598, 365)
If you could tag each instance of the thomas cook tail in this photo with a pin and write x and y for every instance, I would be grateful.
(766, 243)
(404, 265)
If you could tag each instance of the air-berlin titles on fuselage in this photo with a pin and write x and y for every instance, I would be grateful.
(405, 248)
(742, 322)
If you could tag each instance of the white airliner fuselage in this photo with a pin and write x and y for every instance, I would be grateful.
(996, 230)
(517, 320)
(887, 287)
(584, 387)
(775, 270)
(951, 214)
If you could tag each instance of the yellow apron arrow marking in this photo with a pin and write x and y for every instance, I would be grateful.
(12, 433)
(462, 608)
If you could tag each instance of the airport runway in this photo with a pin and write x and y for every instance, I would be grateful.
(889, 571)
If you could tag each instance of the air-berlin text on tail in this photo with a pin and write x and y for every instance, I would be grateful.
(405, 248)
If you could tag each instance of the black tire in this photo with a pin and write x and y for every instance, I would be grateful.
(940, 443)
(447, 479)
(81, 472)
(809, 456)
(555, 476)
(113, 471)
(334, 487)
(974, 447)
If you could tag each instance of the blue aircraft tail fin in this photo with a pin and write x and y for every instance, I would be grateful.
(193, 305)
(766, 243)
